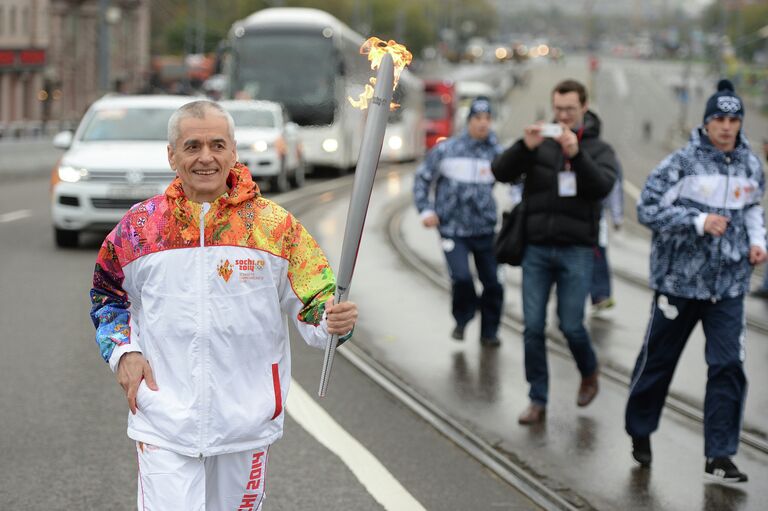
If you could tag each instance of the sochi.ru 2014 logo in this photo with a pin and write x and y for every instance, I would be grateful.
(248, 268)
(225, 270)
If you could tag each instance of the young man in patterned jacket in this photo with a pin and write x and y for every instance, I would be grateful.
(703, 205)
(191, 298)
(463, 210)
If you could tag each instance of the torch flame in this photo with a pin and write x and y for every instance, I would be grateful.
(375, 48)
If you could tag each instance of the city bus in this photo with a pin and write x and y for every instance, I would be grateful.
(310, 62)
(406, 128)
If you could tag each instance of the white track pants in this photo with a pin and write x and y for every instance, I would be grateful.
(227, 482)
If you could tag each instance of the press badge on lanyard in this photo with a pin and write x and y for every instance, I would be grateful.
(566, 182)
(566, 178)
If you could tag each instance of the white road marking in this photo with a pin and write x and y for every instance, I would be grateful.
(15, 215)
(632, 190)
(381, 485)
(620, 80)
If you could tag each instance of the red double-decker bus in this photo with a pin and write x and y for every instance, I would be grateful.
(439, 110)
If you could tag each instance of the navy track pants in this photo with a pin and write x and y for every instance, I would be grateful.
(672, 320)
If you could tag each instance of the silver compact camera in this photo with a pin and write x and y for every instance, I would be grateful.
(551, 130)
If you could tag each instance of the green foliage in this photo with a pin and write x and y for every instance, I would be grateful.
(174, 22)
(741, 25)
(754, 18)
(414, 23)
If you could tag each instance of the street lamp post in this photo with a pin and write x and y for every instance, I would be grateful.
(103, 46)
(108, 16)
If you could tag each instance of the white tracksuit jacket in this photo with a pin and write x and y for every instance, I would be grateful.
(203, 292)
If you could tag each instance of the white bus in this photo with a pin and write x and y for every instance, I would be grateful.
(310, 61)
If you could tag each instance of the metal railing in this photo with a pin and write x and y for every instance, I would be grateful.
(17, 130)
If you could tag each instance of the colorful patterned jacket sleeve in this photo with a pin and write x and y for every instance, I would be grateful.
(109, 304)
(311, 280)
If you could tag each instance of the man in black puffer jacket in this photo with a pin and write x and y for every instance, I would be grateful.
(566, 177)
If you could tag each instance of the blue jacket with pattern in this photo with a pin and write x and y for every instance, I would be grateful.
(460, 170)
(689, 184)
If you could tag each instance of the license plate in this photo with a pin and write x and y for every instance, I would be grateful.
(132, 192)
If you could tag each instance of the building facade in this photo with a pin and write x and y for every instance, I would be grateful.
(23, 58)
(74, 53)
(50, 65)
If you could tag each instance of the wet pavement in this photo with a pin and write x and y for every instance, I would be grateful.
(583, 453)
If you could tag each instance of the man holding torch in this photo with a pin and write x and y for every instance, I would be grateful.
(191, 296)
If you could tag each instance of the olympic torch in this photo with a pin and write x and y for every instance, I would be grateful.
(378, 102)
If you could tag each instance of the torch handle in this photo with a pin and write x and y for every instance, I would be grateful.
(330, 350)
(325, 376)
(365, 172)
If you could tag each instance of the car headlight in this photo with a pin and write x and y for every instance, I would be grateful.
(71, 174)
(330, 145)
(395, 143)
(260, 146)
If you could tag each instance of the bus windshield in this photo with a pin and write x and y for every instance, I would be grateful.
(293, 68)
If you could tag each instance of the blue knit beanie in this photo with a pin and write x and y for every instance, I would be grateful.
(724, 103)
(480, 104)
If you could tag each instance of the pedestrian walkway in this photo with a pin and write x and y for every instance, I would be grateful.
(27, 158)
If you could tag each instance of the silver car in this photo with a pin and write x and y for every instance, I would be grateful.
(268, 143)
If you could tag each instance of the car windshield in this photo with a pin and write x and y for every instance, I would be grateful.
(253, 118)
(128, 124)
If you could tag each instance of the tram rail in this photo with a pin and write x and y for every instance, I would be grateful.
(515, 474)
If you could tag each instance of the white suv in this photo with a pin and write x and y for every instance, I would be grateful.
(267, 143)
(116, 158)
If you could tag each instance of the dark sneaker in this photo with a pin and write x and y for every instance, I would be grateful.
(490, 341)
(641, 450)
(458, 333)
(723, 470)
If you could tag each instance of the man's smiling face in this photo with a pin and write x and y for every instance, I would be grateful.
(202, 156)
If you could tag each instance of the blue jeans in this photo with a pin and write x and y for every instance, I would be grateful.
(570, 269)
(723, 324)
(600, 288)
(465, 299)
